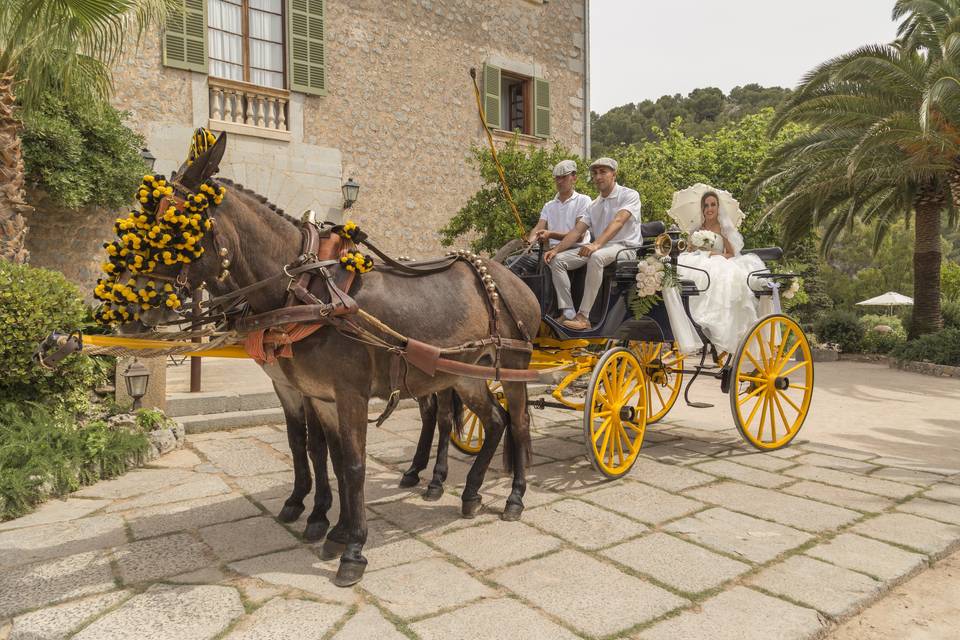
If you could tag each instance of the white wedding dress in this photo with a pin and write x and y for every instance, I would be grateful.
(728, 308)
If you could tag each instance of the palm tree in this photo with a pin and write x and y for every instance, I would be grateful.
(877, 148)
(55, 45)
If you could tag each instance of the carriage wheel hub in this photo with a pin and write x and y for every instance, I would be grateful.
(781, 383)
(627, 414)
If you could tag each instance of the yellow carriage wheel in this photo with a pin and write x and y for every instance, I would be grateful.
(771, 383)
(471, 440)
(663, 371)
(615, 412)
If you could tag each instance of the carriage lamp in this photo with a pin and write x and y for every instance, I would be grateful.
(149, 160)
(136, 377)
(350, 190)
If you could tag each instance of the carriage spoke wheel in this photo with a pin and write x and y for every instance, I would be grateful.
(663, 370)
(471, 439)
(615, 412)
(772, 383)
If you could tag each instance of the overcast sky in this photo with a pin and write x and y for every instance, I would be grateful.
(648, 48)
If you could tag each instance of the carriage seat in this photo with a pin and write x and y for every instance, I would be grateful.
(650, 230)
(766, 254)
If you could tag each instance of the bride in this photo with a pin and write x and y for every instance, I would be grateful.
(727, 309)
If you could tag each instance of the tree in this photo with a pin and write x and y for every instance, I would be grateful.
(877, 150)
(60, 46)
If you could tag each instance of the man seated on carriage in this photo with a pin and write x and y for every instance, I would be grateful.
(614, 220)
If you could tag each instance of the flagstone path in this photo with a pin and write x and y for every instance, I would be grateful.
(704, 538)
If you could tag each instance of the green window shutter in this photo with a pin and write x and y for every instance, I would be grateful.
(185, 36)
(541, 108)
(491, 95)
(305, 38)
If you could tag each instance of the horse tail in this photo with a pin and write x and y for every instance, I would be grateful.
(456, 404)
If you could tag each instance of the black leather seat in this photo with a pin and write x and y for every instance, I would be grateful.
(652, 229)
(766, 254)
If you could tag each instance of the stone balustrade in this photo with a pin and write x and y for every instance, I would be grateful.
(239, 107)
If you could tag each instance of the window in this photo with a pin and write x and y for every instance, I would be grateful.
(246, 41)
(514, 102)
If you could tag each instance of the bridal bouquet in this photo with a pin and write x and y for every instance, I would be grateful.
(703, 239)
(792, 290)
(652, 276)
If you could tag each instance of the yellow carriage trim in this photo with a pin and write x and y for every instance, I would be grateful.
(226, 351)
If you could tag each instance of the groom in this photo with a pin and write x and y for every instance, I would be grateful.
(614, 221)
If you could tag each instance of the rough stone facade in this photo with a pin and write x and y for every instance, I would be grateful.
(398, 117)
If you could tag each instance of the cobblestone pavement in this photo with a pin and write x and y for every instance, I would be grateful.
(704, 538)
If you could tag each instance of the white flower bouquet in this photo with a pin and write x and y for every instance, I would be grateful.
(792, 290)
(703, 239)
(652, 276)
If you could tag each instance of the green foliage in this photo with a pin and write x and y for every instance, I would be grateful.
(842, 328)
(150, 419)
(939, 348)
(702, 112)
(33, 303)
(81, 154)
(951, 314)
(871, 320)
(882, 343)
(950, 281)
(43, 452)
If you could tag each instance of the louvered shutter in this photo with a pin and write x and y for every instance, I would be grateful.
(305, 35)
(541, 108)
(491, 95)
(185, 36)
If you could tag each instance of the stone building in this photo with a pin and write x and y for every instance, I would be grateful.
(315, 91)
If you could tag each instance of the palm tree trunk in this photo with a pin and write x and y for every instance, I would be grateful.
(13, 226)
(926, 267)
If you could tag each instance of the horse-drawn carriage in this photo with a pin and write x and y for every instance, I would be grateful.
(626, 372)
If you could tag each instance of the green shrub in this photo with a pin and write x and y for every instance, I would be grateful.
(33, 303)
(883, 343)
(842, 328)
(44, 452)
(939, 348)
(871, 320)
(951, 314)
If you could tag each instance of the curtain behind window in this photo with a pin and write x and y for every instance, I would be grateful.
(266, 43)
(225, 31)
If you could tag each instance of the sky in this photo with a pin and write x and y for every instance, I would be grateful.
(644, 49)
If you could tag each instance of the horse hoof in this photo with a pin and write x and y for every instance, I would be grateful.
(470, 507)
(349, 573)
(315, 530)
(290, 513)
(512, 512)
(408, 480)
(332, 549)
(433, 493)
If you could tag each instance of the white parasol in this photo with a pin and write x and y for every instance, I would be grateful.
(686, 206)
(888, 299)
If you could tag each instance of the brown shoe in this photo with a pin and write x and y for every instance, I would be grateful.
(579, 323)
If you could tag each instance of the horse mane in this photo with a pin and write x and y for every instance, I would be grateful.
(259, 198)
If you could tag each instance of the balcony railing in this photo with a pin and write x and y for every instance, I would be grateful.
(239, 107)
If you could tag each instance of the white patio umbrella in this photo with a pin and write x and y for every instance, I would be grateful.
(889, 300)
(685, 209)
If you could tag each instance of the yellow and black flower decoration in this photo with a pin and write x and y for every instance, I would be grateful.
(356, 261)
(349, 230)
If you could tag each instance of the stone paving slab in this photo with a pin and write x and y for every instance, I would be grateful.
(368, 623)
(874, 558)
(569, 476)
(179, 459)
(934, 538)
(669, 477)
(191, 514)
(909, 476)
(933, 509)
(56, 623)
(388, 545)
(588, 595)
(242, 457)
(853, 481)
(297, 568)
(184, 613)
(149, 560)
(945, 492)
(758, 459)
(583, 524)
(749, 475)
(56, 511)
(646, 504)
(432, 519)
(681, 565)
(59, 539)
(495, 544)
(53, 581)
(832, 590)
(491, 619)
(916, 465)
(423, 587)
(201, 487)
(282, 619)
(739, 535)
(799, 513)
(842, 452)
(246, 538)
(135, 483)
(835, 462)
(740, 614)
(866, 502)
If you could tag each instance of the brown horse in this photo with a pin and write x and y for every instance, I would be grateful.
(338, 374)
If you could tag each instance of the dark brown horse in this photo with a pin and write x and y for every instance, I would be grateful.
(338, 374)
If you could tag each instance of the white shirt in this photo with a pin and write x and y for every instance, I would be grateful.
(602, 211)
(563, 216)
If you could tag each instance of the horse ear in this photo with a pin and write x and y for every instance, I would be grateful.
(206, 165)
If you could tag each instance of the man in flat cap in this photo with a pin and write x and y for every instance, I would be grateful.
(614, 220)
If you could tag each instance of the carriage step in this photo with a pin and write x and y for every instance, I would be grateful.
(699, 405)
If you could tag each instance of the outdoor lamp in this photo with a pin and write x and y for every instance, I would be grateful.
(149, 160)
(136, 377)
(350, 191)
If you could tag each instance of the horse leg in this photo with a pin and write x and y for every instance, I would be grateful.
(428, 421)
(445, 417)
(293, 412)
(317, 522)
(481, 401)
(517, 448)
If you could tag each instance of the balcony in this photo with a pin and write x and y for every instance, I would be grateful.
(240, 107)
